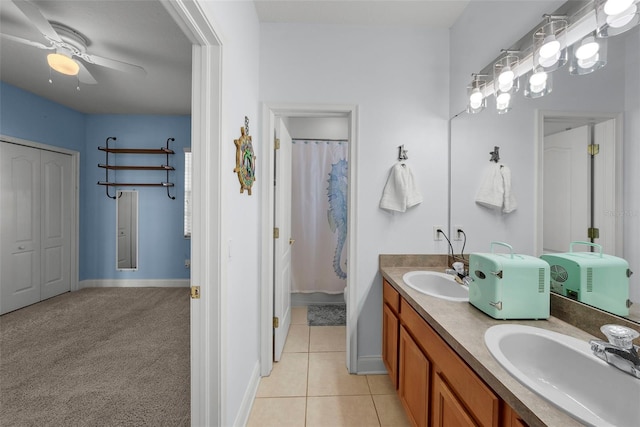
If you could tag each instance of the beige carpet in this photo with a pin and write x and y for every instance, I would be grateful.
(97, 357)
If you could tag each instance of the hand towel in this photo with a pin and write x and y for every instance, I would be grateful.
(495, 189)
(491, 191)
(510, 203)
(400, 192)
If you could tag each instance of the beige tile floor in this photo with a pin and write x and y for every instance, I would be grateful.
(310, 386)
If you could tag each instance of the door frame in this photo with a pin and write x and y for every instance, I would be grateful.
(269, 114)
(74, 272)
(208, 316)
(540, 116)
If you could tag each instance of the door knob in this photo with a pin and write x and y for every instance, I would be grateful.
(291, 241)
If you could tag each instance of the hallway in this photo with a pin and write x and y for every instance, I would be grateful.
(310, 386)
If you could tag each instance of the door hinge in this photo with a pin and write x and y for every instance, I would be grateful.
(195, 292)
(593, 233)
(276, 233)
(593, 149)
(276, 144)
(276, 322)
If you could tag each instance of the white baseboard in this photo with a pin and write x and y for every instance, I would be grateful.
(249, 396)
(371, 365)
(135, 283)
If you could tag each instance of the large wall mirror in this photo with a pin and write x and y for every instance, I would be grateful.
(604, 104)
(127, 230)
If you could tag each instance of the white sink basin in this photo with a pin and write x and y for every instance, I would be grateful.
(563, 370)
(437, 284)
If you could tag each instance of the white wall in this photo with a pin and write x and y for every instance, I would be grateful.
(238, 28)
(318, 127)
(398, 77)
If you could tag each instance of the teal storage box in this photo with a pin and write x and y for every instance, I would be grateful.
(509, 286)
(593, 278)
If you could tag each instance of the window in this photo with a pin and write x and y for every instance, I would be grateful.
(187, 192)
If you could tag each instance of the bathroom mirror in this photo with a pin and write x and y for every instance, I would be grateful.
(610, 93)
(127, 230)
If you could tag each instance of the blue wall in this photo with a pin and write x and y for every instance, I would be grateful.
(162, 247)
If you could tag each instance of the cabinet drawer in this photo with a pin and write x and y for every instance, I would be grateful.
(390, 296)
(479, 399)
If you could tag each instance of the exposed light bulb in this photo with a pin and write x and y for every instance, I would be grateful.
(550, 47)
(550, 61)
(623, 18)
(588, 62)
(616, 7)
(588, 48)
(538, 82)
(502, 101)
(505, 79)
(475, 99)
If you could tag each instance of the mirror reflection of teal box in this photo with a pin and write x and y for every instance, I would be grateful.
(593, 278)
(509, 286)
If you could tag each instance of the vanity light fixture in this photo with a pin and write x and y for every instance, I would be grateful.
(550, 44)
(616, 16)
(578, 28)
(588, 55)
(475, 92)
(505, 80)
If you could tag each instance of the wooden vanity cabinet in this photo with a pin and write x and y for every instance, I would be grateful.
(436, 387)
(390, 330)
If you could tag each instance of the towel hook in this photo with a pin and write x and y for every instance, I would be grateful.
(402, 153)
(495, 154)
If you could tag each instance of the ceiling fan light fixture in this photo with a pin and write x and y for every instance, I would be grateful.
(63, 64)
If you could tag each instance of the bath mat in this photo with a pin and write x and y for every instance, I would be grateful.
(327, 315)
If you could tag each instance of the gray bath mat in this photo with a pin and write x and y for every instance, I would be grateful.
(327, 315)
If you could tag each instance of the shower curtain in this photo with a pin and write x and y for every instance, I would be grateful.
(319, 216)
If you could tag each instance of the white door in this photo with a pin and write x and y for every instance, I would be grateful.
(20, 226)
(282, 244)
(566, 203)
(56, 224)
(604, 191)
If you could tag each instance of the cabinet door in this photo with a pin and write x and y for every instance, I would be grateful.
(390, 327)
(447, 409)
(414, 380)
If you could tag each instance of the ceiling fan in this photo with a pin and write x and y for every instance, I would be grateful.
(68, 45)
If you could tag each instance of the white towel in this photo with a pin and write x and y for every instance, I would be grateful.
(495, 189)
(400, 192)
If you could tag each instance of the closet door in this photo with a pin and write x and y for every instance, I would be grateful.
(56, 224)
(20, 178)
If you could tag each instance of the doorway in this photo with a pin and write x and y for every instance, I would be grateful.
(579, 178)
(272, 115)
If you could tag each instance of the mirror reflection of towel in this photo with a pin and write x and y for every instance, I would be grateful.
(400, 191)
(495, 189)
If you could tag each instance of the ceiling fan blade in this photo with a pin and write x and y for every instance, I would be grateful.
(27, 42)
(84, 75)
(32, 12)
(117, 65)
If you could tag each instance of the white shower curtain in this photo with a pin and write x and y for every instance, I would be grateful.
(319, 216)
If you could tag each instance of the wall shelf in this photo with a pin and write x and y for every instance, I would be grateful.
(147, 151)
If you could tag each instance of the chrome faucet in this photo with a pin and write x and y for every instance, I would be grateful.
(459, 274)
(620, 350)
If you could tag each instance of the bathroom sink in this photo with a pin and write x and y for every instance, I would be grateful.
(437, 284)
(564, 371)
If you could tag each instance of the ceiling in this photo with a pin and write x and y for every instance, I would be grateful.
(142, 32)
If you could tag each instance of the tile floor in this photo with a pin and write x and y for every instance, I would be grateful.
(310, 386)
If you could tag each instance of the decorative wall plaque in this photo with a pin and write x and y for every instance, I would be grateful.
(245, 159)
